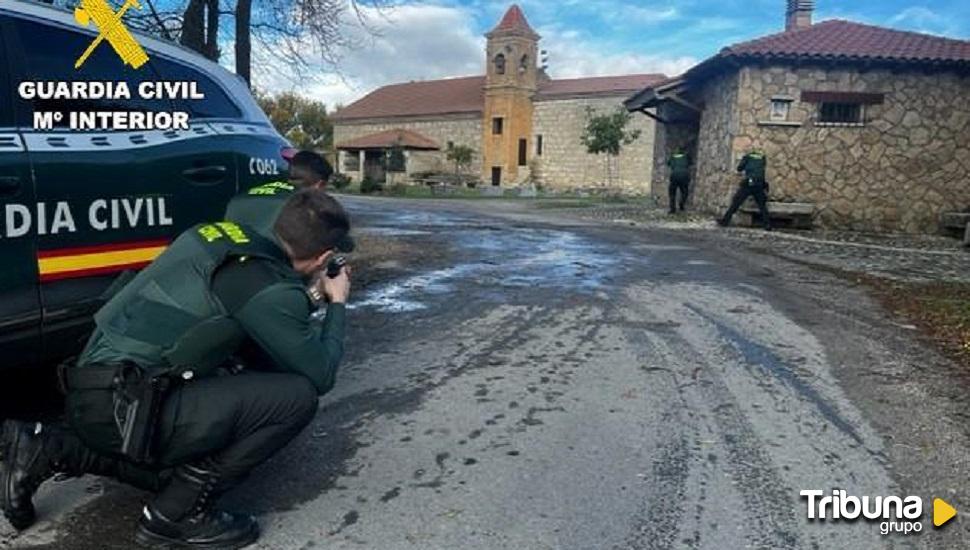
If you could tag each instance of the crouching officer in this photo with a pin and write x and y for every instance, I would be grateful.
(753, 166)
(146, 395)
(679, 165)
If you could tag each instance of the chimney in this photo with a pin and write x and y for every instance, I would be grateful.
(799, 14)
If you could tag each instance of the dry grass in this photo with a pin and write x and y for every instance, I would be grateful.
(940, 310)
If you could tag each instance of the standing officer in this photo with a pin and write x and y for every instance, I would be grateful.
(679, 164)
(754, 185)
(147, 396)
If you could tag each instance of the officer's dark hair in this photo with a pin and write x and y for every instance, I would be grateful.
(316, 164)
(310, 223)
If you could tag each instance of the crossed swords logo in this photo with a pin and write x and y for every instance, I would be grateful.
(110, 28)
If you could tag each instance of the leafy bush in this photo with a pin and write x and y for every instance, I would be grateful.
(339, 181)
(368, 186)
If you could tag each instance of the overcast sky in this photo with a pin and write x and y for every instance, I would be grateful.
(425, 40)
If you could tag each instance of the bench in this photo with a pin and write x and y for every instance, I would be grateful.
(956, 224)
(798, 215)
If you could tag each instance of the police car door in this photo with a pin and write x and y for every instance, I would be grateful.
(19, 299)
(203, 167)
(108, 201)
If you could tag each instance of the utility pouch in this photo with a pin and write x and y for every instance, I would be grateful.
(138, 399)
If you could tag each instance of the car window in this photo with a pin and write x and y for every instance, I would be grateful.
(216, 103)
(49, 55)
(6, 87)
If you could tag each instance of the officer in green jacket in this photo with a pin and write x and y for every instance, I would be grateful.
(150, 401)
(679, 164)
(753, 184)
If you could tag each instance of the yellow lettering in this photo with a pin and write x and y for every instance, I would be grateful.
(210, 233)
(234, 232)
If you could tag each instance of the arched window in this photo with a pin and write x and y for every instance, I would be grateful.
(500, 64)
(524, 63)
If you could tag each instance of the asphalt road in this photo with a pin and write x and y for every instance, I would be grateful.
(518, 378)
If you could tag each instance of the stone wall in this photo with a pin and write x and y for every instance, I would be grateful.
(714, 179)
(564, 162)
(898, 171)
(461, 130)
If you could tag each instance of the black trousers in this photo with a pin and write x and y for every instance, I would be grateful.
(678, 184)
(234, 423)
(741, 195)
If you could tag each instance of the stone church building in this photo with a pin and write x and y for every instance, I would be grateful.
(522, 125)
(869, 124)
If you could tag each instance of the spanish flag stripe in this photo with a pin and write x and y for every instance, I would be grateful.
(56, 276)
(100, 248)
(97, 259)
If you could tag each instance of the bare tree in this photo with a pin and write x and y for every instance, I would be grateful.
(200, 27)
(295, 35)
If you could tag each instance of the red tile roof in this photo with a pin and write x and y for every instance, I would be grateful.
(846, 40)
(513, 21)
(466, 95)
(398, 137)
(832, 40)
(596, 85)
(429, 97)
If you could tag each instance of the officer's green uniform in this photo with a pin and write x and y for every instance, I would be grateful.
(679, 165)
(215, 286)
(754, 185)
(260, 206)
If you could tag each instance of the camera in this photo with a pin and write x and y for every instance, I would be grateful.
(335, 265)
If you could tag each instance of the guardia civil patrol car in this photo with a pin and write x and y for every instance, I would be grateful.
(78, 208)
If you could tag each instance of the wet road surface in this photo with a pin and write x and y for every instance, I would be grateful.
(525, 380)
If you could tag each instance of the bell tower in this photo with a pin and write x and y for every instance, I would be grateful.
(510, 83)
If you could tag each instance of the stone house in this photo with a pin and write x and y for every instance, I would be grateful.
(522, 125)
(870, 124)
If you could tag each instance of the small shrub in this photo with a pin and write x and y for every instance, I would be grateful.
(339, 181)
(368, 186)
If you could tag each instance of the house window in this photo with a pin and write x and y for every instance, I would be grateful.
(780, 107)
(840, 113)
(351, 161)
(523, 149)
(538, 145)
(496, 175)
(497, 126)
(451, 145)
(524, 63)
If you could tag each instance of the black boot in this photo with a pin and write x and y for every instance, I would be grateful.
(182, 516)
(31, 457)
(35, 452)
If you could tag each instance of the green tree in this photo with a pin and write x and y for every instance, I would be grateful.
(462, 156)
(607, 134)
(302, 120)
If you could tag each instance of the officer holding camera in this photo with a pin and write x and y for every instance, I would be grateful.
(147, 400)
